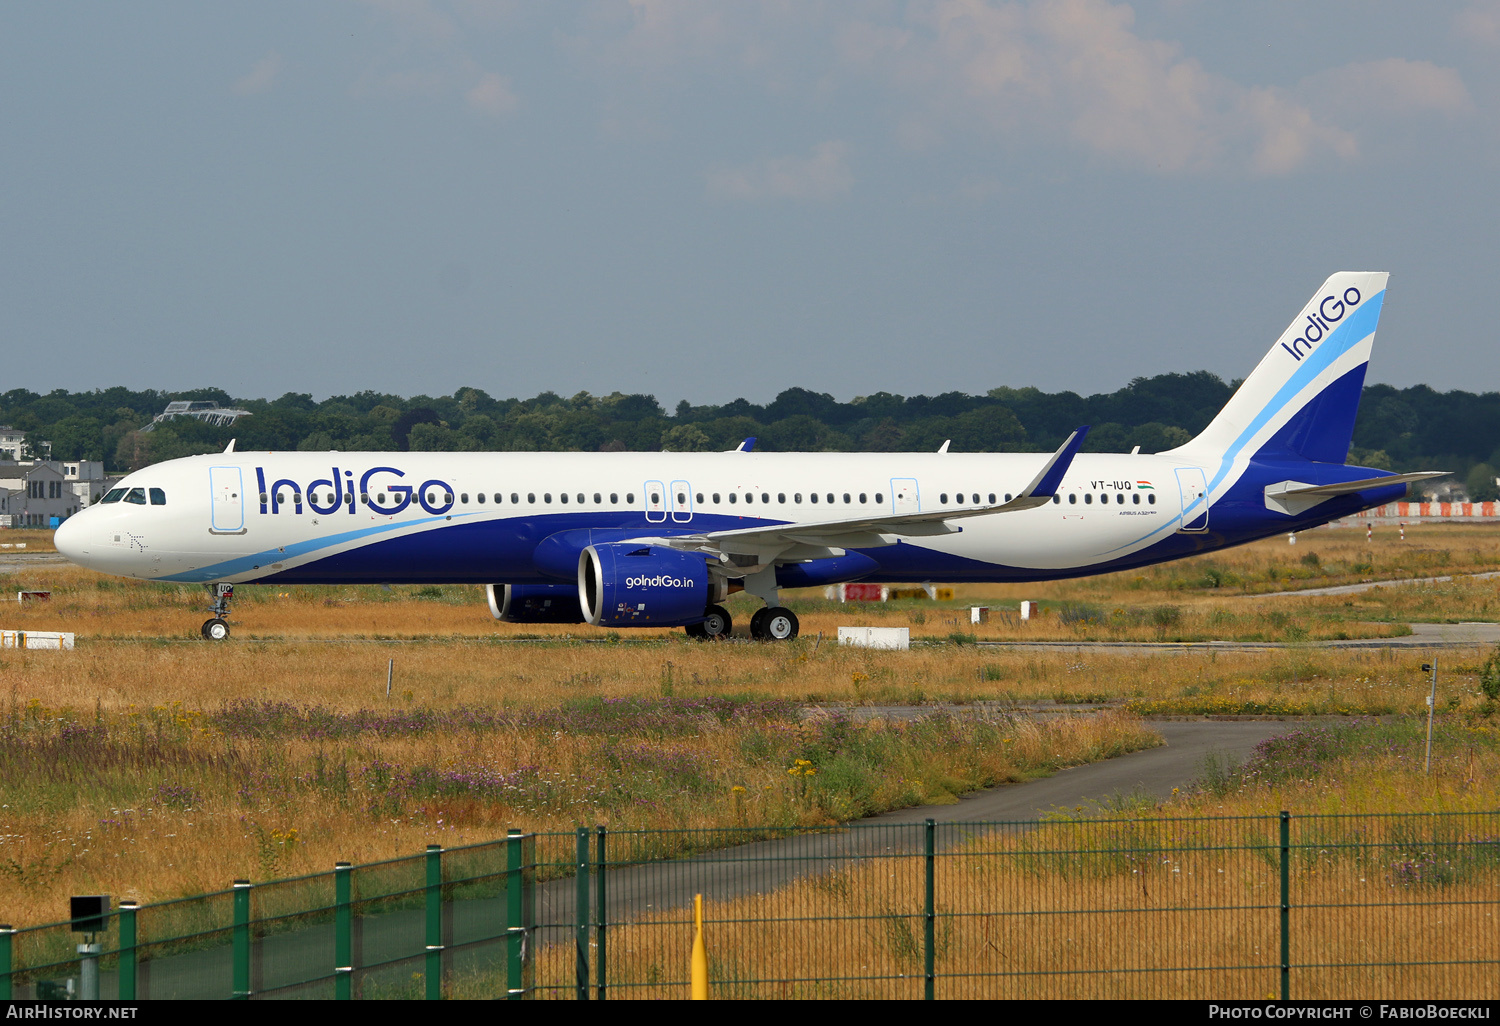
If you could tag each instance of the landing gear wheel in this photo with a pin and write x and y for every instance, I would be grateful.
(780, 624)
(716, 623)
(758, 624)
(216, 629)
(695, 630)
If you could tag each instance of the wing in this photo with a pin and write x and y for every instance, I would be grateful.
(746, 549)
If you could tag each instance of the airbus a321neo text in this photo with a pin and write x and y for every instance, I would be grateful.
(660, 539)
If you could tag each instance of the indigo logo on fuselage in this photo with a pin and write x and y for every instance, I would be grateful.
(1330, 311)
(325, 495)
(661, 581)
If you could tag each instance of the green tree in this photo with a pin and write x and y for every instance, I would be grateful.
(1480, 484)
(685, 438)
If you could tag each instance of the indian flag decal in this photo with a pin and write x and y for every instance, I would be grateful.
(1145, 484)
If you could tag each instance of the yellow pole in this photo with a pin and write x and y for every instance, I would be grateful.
(700, 955)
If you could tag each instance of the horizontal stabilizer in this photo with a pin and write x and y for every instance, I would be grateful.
(1294, 497)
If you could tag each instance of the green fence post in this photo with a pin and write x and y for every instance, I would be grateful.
(240, 947)
(929, 922)
(343, 930)
(127, 950)
(7, 932)
(581, 917)
(515, 928)
(1286, 905)
(601, 915)
(434, 968)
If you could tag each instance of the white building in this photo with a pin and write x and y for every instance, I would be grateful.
(12, 443)
(32, 492)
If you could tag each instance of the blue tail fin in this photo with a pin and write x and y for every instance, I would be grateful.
(1301, 400)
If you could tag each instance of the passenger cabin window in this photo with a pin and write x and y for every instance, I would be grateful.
(830, 496)
(943, 497)
(716, 498)
(1072, 499)
(781, 497)
(879, 497)
(614, 498)
(630, 498)
(1136, 498)
(814, 498)
(158, 497)
(749, 496)
(1151, 499)
(733, 497)
(765, 496)
(464, 498)
(564, 498)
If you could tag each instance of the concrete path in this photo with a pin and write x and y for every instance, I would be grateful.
(1423, 636)
(1355, 589)
(764, 866)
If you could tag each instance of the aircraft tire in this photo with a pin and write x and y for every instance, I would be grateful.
(758, 624)
(780, 624)
(215, 629)
(695, 630)
(717, 623)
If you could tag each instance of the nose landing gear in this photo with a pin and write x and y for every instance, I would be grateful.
(216, 628)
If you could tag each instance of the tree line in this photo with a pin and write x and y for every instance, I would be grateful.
(1414, 428)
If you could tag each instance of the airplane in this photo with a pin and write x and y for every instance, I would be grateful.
(661, 539)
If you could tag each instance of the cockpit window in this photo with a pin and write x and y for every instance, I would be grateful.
(137, 496)
(113, 495)
(158, 497)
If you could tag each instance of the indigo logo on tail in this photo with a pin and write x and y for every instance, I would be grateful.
(1330, 311)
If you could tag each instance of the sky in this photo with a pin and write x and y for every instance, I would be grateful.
(704, 200)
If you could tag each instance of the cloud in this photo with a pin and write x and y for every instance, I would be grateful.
(431, 56)
(1077, 71)
(492, 95)
(261, 77)
(824, 175)
(1390, 86)
(1043, 73)
(1479, 23)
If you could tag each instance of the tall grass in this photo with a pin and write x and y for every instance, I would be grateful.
(172, 800)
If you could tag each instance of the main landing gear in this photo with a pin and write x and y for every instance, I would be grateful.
(715, 626)
(774, 623)
(217, 627)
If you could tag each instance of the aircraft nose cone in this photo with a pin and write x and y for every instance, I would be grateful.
(70, 538)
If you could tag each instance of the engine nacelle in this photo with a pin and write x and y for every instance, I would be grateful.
(534, 603)
(627, 584)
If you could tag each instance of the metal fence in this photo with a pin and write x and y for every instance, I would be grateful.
(1306, 907)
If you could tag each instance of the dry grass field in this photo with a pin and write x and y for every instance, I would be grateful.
(149, 762)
